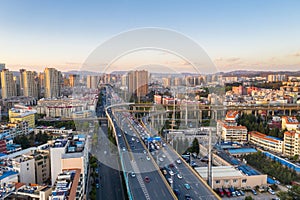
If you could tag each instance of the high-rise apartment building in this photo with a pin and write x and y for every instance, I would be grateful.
(29, 83)
(74, 79)
(2, 66)
(138, 83)
(8, 84)
(92, 81)
(52, 80)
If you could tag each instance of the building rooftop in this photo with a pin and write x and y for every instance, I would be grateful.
(219, 171)
(66, 185)
(242, 150)
(6, 173)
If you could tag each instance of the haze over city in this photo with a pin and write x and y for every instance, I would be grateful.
(256, 35)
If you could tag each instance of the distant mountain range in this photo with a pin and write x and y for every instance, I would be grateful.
(232, 73)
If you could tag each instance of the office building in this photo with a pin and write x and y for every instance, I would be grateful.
(138, 83)
(52, 80)
(8, 84)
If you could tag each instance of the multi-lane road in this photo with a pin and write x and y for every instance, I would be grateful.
(147, 180)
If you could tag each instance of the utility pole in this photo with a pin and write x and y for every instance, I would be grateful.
(209, 169)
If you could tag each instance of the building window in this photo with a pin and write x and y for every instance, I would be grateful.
(226, 181)
(234, 180)
(244, 180)
(217, 181)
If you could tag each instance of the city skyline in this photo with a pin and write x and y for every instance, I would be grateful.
(236, 35)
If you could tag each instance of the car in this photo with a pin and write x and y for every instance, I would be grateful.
(132, 174)
(254, 192)
(170, 180)
(179, 176)
(187, 197)
(220, 191)
(124, 149)
(187, 186)
(163, 155)
(176, 192)
(119, 135)
(164, 144)
(97, 185)
(238, 193)
(97, 170)
(133, 139)
(164, 172)
(178, 161)
(161, 159)
(137, 141)
(171, 165)
(171, 173)
(148, 158)
(271, 191)
(144, 151)
(289, 186)
(147, 179)
(227, 192)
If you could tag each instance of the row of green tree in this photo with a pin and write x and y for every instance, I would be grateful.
(32, 139)
(267, 166)
(258, 123)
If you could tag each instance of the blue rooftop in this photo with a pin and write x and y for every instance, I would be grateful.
(283, 161)
(248, 170)
(7, 174)
(274, 138)
(242, 150)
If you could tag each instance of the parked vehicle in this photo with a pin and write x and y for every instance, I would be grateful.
(227, 192)
(220, 192)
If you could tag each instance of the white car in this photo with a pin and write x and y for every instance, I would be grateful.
(171, 173)
(163, 155)
(148, 158)
(170, 180)
(179, 176)
(161, 159)
(178, 161)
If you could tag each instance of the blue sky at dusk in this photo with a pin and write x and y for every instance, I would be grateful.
(236, 34)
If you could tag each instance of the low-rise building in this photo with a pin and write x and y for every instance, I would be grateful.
(266, 142)
(232, 133)
(68, 185)
(290, 123)
(21, 114)
(229, 176)
(70, 153)
(11, 130)
(36, 192)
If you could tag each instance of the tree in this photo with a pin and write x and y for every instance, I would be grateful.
(195, 146)
(248, 198)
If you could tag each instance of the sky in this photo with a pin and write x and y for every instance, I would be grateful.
(235, 34)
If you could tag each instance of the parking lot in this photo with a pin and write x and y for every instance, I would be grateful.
(259, 196)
